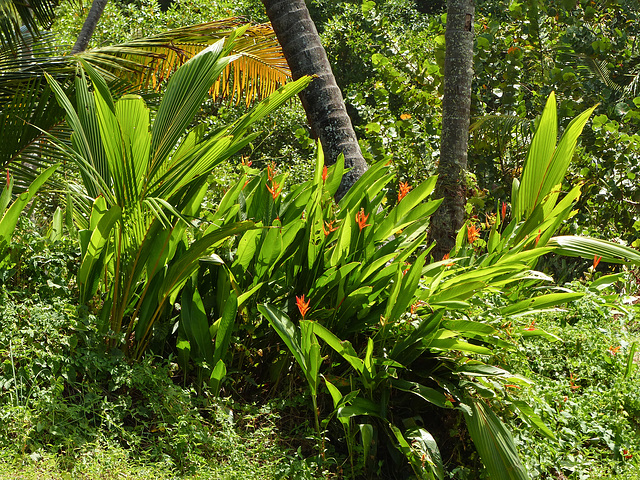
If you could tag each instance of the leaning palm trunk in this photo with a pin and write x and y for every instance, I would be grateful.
(322, 100)
(90, 23)
(456, 105)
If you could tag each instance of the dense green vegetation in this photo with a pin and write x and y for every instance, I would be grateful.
(181, 295)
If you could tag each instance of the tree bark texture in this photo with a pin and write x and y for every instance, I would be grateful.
(322, 100)
(456, 105)
(97, 7)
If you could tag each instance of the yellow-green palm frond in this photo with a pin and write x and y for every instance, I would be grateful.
(258, 70)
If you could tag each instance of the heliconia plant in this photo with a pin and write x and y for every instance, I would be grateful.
(144, 179)
(353, 282)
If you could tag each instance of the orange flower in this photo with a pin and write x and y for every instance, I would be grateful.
(508, 385)
(328, 227)
(361, 219)
(503, 211)
(404, 189)
(614, 350)
(446, 257)
(273, 189)
(473, 233)
(271, 170)
(325, 174)
(405, 116)
(416, 306)
(303, 306)
(531, 327)
(538, 237)
(246, 162)
(596, 261)
(512, 49)
(573, 385)
(626, 454)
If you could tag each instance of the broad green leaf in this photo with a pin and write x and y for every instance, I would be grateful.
(287, 331)
(428, 394)
(585, 247)
(543, 301)
(532, 418)
(225, 329)
(217, 375)
(196, 325)
(344, 348)
(92, 266)
(494, 443)
(467, 326)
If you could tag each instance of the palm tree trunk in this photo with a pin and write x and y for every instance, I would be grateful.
(97, 7)
(456, 106)
(322, 100)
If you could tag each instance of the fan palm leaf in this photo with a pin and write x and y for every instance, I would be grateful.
(259, 66)
(28, 112)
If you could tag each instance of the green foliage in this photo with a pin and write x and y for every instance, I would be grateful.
(11, 213)
(145, 191)
(582, 391)
(70, 408)
(361, 277)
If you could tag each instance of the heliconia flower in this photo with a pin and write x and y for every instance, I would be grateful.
(325, 174)
(246, 162)
(614, 350)
(531, 326)
(404, 189)
(414, 308)
(405, 116)
(303, 306)
(596, 261)
(626, 454)
(328, 227)
(538, 237)
(361, 219)
(571, 382)
(503, 211)
(274, 189)
(246, 182)
(446, 257)
(271, 170)
(473, 233)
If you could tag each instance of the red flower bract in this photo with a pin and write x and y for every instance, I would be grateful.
(596, 261)
(303, 306)
(473, 233)
(404, 189)
(361, 219)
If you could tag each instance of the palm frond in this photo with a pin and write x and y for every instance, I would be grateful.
(500, 123)
(24, 150)
(20, 19)
(259, 68)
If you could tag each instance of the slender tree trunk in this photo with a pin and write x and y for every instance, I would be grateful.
(322, 100)
(456, 105)
(97, 7)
